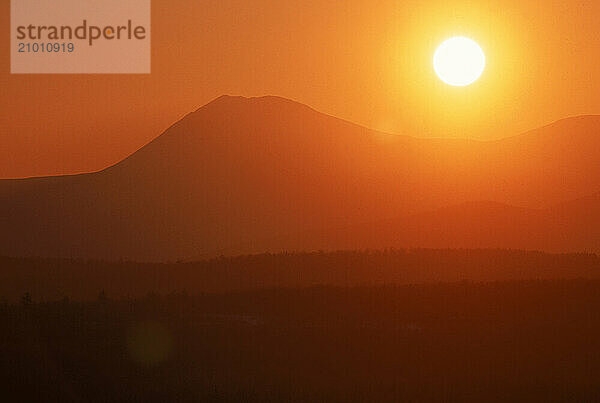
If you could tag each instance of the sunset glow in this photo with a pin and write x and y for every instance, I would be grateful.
(249, 201)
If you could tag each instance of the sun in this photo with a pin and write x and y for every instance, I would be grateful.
(459, 61)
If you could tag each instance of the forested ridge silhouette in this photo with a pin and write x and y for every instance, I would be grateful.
(464, 341)
(84, 279)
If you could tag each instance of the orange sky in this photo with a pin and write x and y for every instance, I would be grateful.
(367, 62)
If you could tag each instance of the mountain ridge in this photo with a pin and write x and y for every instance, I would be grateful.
(226, 98)
(241, 175)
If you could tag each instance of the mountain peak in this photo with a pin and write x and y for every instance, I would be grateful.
(239, 101)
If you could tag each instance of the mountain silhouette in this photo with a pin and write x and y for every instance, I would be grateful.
(243, 175)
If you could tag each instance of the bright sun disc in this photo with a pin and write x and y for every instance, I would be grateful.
(459, 61)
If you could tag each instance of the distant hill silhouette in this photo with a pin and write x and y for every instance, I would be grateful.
(54, 279)
(567, 227)
(243, 175)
